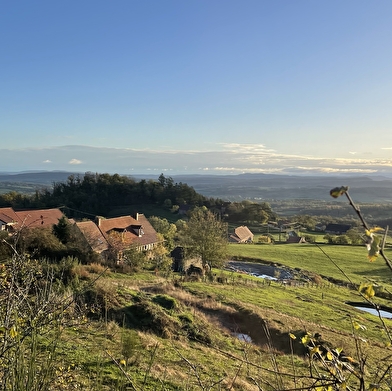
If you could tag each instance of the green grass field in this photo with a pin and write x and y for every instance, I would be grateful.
(317, 259)
(174, 333)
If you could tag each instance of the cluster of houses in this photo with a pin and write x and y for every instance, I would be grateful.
(121, 233)
(99, 235)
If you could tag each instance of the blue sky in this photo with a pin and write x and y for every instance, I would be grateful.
(206, 86)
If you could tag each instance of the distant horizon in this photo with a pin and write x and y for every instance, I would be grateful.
(387, 176)
(226, 159)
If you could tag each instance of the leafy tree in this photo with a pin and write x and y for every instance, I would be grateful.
(355, 236)
(167, 204)
(41, 242)
(166, 229)
(181, 225)
(342, 239)
(310, 238)
(160, 258)
(306, 221)
(206, 236)
(250, 212)
(134, 258)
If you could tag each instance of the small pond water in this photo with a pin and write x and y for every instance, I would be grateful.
(384, 312)
(259, 270)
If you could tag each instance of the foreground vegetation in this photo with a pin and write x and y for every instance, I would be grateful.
(151, 332)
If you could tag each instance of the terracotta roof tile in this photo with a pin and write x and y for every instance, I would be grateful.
(8, 216)
(93, 236)
(133, 231)
(39, 217)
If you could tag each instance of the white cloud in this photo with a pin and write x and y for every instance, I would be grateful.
(246, 148)
(226, 158)
(75, 161)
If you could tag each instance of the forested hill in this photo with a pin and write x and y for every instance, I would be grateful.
(99, 194)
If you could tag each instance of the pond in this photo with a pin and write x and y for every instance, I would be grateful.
(385, 312)
(260, 270)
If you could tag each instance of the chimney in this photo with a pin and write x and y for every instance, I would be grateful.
(136, 216)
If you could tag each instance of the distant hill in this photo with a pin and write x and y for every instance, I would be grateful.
(286, 187)
(376, 189)
(34, 177)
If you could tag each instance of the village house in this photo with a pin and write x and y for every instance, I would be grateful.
(11, 220)
(8, 219)
(92, 236)
(128, 231)
(241, 234)
(39, 217)
(119, 233)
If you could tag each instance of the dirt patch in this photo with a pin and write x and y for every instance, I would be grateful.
(266, 333)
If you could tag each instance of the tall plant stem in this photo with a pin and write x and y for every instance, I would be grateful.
(365, 225)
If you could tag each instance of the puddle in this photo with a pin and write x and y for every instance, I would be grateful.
(243, 337)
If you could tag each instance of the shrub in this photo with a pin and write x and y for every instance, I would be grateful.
(264, 239)
(310, 238)
(165, 301)
(97, 268)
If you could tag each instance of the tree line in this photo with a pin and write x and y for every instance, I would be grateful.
(98, 194)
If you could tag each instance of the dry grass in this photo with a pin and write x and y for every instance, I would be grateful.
(81, 272)
(97, 268)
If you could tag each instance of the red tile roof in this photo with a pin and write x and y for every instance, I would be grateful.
(93, 236)
(133, 231)
(39, 217)
(8, 216)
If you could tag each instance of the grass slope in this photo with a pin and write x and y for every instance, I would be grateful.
(155, 333)
(320, 259)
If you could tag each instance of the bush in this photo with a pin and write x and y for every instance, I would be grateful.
(263, 239)
(165, 301)
(310, 238)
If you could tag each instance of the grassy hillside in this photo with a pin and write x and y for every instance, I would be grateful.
(150, 332)
(320, 259)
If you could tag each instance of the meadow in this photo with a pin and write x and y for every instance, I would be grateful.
(148, 331)
(323, 259)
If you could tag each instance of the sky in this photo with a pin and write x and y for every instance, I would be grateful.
(196, 87)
